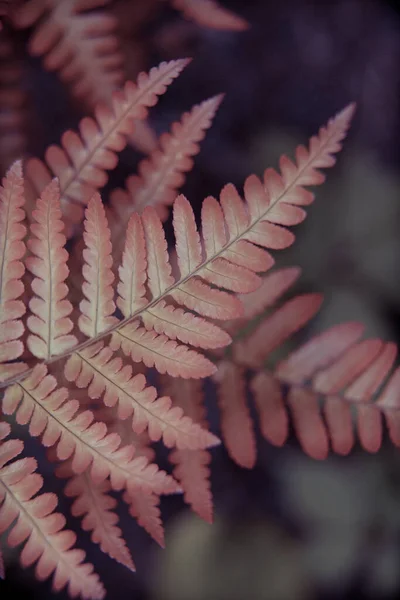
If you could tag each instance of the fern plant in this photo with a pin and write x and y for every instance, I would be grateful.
(70, 370)
(84, 44)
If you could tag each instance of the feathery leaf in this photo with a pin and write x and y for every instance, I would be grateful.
(50, 324)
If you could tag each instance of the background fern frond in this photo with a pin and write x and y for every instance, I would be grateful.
(81, 162)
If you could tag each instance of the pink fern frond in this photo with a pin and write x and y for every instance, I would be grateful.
(83, 158)
(98, 370)
(159, 270)
(144, 507)
(33, 521)
(82, 47)
(160, 175)
(160, 352)
(332, 377)
(318, 352)
(93, 502)
(133, 270)
(50, 325)
(98, 307)
(37, 401)
(12, 250)
(184, 326)
(191, 468)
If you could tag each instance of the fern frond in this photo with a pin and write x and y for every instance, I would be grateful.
(34, 521)
(253, 221)
(191, 467)
(97, 309)
(81, 162)
(49, 324)
(186, 327)
(147, 263)
(209, 13)
(347, 374)
(132, 272)
(82, 47)
(94, 503)
(97, 369)
(144, 507)
(334, 381)
(12, 250)
(323, 366)
(37, 401)
(318, 352)
(160, 175)
(160, 352)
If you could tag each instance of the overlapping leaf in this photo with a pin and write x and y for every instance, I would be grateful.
(81, 162)
(33, 521)
(12, 250)
(94, 503)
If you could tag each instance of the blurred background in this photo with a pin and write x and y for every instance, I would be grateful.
(291, 528)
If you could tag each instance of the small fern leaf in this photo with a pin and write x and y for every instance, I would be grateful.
(49, 324)
(236, 423)
(98, 308)
(346, 369)
(318, 352)
(308, 423)
(12, 249)
(94, 503)
(160, 352)
(159, 270)
(82, 161)
(144, 507)
(38, 401)
(132, 272)
(184, 326)
(161, 174)
(97, 369)
(34, 521)
(269, 401)
(209, 13)
(207, 301)
(275, 329)
(191, 468)
(188, 247)
(193, 473)
(339, 422)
